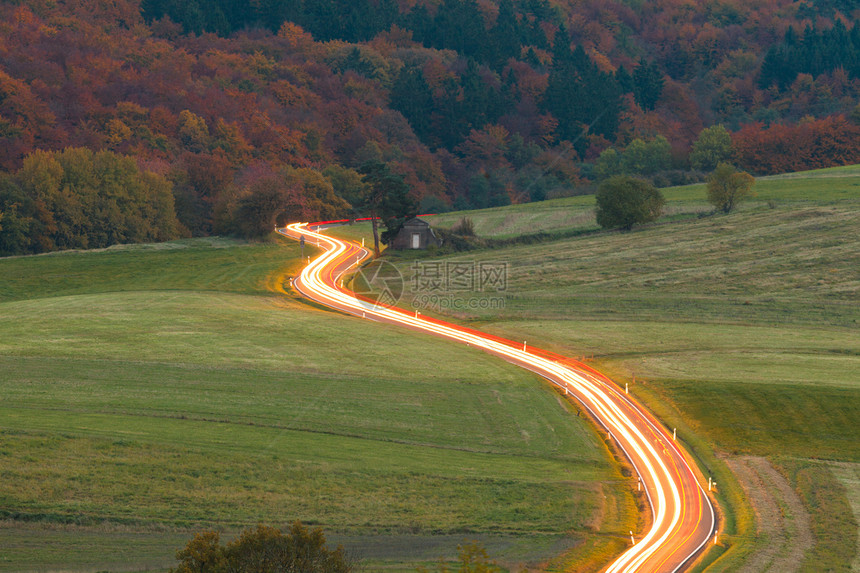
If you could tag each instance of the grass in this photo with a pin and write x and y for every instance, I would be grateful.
(849, 479)
(820, 187)
(209, 264)
(740, 329)
(514, 220)
(825, 496)
(118, 547)
(788, 265)
(356, 232)
(150, 392)
(33, 546)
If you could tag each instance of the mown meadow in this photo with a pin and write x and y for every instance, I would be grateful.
(153, 391)
(742, 330)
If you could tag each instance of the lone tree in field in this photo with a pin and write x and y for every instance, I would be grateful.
(727, 187)
(625, 201)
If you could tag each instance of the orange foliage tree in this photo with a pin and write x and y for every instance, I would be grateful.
(811, 144)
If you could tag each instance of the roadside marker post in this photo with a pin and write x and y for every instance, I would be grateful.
(609, 392)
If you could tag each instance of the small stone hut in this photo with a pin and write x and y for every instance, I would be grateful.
(415, 234)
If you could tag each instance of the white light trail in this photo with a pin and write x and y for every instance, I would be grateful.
(615, 411)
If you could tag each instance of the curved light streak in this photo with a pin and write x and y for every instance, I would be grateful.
(683, 516)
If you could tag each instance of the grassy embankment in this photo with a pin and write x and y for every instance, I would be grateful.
(742, 330)
(152, 391)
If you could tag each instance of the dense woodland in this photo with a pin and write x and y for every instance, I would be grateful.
(141, 120)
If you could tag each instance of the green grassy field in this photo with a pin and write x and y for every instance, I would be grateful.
(742, 330)
(820, 187)
(152, 391)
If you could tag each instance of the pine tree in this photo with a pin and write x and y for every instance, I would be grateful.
(647, 85)
(580, 96)
(412, 97)
(505, 38)
(387, 199)
(624, 80)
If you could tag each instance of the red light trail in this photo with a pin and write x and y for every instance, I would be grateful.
(683, 518)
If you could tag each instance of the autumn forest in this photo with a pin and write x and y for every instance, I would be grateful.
(131, 121)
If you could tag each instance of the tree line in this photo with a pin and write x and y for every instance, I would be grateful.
(557, 99)
(80, 199)
(459, 25)
(814, 52)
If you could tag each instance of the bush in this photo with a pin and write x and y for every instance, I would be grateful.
(677, 177)
(626, 201)
(727, 187)
(465, 228)
(453, 242)
(473, 558)
(263, 550)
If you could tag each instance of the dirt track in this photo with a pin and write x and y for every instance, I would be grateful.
(780, 514)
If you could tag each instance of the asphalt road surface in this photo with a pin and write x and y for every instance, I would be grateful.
(683, 519)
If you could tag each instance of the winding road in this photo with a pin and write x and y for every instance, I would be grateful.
(683, 518)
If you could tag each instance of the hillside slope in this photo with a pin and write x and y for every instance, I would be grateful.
(475, 104)
(740, 330)
(153, 391)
